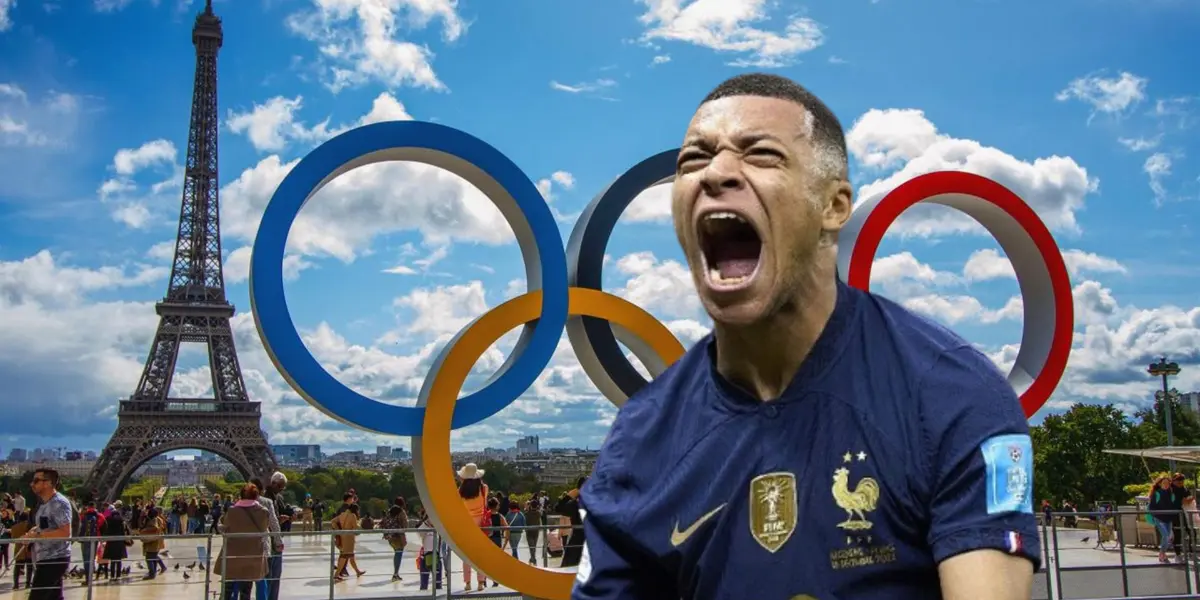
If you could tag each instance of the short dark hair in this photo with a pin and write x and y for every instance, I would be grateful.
(50, 475)
(827, 132)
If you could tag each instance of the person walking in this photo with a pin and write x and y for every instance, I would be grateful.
(1162, 508)
(243, 559)
(91, 524)
(474, 494)
(22, 558)
(516, 526)
(50, 534)
(283, 513)
(533, 519)
(397, 519)
(1181, 499)
(568, 506)
(263, 587)
(346, 521)
(116, 547)
(154, 526)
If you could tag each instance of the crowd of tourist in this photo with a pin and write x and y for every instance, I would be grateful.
(35, 541)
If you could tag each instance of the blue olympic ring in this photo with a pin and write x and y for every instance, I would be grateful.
(481, 165)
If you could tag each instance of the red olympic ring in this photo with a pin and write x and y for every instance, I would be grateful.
(1041, 272)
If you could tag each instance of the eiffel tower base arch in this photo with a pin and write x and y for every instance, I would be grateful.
(139, 439)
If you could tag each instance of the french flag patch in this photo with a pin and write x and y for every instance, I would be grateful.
(1015, 543)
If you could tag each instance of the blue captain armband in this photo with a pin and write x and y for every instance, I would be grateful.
(1008, 464)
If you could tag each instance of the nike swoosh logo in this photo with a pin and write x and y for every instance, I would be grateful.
(679, 537)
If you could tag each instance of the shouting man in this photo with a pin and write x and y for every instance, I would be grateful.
(823, 442)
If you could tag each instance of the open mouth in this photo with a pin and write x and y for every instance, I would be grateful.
(732, 249)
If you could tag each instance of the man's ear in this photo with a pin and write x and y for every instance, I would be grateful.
(839, 202)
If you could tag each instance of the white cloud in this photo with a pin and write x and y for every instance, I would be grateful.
(1080, 263)
(902, 275)
(6, 7)
(1141, 143)
(1110, 95)
(662, 287)
(1158, 168)
(557, 179)
(905, 139)
(359, 40)
(343, 218)
(650, 206)
(45, 121)
(128, 161)
(598, 88)
(660, 59)
(888, 138)
(742, 28)
(130, 204)
(955, 309)
(272, 125)
(987, 264)
(110, 5)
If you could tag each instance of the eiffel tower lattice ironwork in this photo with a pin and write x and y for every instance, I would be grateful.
(195, 309)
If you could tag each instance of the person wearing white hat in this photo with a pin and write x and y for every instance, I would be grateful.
(470, 471)
(474, 493)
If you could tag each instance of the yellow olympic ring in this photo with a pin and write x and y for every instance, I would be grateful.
(462, 532)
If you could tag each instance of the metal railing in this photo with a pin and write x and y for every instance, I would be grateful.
(1086, 556)
(1115, 554)
(189, 566)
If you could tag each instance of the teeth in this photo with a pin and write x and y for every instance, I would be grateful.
(714, 275)
(723, 215)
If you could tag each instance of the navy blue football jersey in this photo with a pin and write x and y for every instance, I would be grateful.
(897, 446)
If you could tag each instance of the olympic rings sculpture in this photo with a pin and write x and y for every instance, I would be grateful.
(564, 284)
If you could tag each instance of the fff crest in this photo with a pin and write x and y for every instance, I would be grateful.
(773, 508)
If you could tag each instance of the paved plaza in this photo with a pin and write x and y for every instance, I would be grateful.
(307, 567)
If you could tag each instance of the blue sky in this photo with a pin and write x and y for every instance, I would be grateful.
(1085, 108)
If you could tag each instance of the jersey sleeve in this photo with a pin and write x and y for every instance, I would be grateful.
(979, 460)
(616, 565)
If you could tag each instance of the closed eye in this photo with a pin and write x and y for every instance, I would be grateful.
(687, 158)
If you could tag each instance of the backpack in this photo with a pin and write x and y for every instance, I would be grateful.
(90, 526)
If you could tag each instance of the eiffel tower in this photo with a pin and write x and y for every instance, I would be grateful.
(195, 309)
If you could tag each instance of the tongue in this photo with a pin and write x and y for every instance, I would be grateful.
(736, 259)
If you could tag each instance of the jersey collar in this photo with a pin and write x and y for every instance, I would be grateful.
(825, 351)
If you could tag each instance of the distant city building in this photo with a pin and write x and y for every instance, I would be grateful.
(565, 468)
(348, 456)
(383, 452)
(183, 473)
(297, 452)
(1191, 401)
(65, 468)
(528, 445)
(18, 455)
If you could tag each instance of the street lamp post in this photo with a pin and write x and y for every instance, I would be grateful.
(1165, 369)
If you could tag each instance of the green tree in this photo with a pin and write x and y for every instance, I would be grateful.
(1069, 458)
(1152, 426)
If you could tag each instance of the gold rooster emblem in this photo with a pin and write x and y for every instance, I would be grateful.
(857, 502)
